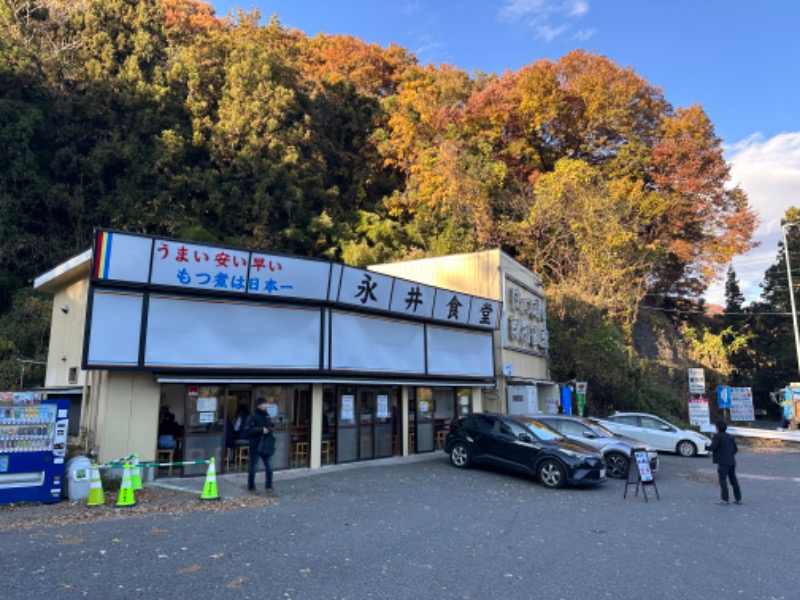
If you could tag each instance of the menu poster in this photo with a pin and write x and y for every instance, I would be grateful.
(643, 465)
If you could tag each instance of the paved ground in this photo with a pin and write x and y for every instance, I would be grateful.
(418, 528)
(234, 485)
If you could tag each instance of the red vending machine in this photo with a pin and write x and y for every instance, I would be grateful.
(33, 445)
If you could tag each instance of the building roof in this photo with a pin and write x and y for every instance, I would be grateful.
(71, 270)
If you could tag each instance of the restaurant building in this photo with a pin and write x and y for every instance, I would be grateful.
(356, 364)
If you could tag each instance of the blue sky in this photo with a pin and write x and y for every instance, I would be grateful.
(738, 59)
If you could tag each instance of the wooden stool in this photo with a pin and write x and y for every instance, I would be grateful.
(299, 453)
(241, 457)
(166, 455)
(440, 436)
(327, 450)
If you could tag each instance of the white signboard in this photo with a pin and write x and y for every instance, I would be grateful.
(697, 381)
(742, 404)
(698, 411)
(275, 275)
(199, 267)
(206, 417)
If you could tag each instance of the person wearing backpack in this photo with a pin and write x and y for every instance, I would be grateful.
(260, 429)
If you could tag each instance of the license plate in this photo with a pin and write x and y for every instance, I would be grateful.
(602, 473)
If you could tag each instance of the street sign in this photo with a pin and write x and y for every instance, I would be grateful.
(697, 381)
(723, 396)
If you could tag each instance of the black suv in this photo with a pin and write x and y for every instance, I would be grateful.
(501, 441)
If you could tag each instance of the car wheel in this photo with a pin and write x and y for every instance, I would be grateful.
(686, 448)
(552, 474)
(617, 465)
(460, 455)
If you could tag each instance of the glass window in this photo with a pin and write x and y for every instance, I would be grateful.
(572, 427)
(541, 430)
(515, 429)
(650, 423)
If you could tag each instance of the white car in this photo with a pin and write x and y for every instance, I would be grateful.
(657, 432)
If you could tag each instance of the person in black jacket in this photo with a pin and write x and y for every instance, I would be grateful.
(262, 445)
(724, 451)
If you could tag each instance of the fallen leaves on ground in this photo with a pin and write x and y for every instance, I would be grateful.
(149, 501)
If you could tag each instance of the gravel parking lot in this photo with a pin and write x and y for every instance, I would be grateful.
(419, 528)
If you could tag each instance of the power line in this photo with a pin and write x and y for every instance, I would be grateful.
(723, 313)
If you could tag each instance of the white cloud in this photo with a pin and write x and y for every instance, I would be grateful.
(584, 34)
(769, 172)
(548, 18)
(411, 8)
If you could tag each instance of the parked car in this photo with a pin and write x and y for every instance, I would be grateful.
(615, 449)
(532, 448)
(657, 432)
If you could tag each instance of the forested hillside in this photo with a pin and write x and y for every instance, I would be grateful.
(161, 118)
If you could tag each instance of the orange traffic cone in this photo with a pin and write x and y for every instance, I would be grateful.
(210, 486)
(126, 497)
(136, 473)
(96, 496)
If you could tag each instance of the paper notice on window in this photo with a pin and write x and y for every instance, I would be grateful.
(206, 404)
(383, 407)
(347, 408)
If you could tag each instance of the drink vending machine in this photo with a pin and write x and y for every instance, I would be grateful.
(33, 445)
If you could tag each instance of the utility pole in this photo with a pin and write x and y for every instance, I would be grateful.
(791, 292)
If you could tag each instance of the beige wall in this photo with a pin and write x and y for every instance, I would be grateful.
(482, 274)
(477, 273)
(66, 334)
(127, 420)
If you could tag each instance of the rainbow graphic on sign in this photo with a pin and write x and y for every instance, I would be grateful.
(102, 254)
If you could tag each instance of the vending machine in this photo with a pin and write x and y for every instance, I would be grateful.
(33, 445)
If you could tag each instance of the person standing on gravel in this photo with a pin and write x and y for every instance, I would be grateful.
(724, 450)
(262, 445)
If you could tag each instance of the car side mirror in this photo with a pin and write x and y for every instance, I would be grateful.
(589, 434)
(525, 437)
(666, 428)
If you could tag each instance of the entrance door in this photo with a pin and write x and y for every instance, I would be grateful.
(366, 421)
(204, 431)
(425, 423)
(346, 425)
(238, 404)
(385, 407)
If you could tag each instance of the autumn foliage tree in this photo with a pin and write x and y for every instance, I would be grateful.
(165, 118)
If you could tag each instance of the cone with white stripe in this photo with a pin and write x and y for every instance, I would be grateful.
(96, 496)
(126, 497)
(136, 473)
(210, 486)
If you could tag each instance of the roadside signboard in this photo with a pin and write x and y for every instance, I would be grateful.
(580, 392)
(742, 404)
(698, 411)
(697, 381)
